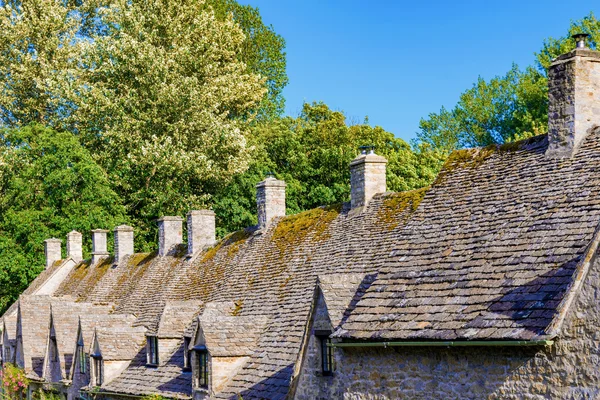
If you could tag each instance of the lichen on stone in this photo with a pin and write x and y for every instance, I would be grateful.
(295, 228)
(397, 208)
(233, 242)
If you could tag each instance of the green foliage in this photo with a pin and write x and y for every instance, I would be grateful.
(312, 153)
(49, 185)
(262, 51)
(14, 382)
(505, 108)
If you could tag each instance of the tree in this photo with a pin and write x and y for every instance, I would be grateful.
(49, 185)
(166, 103)
(262, 52)
(312, 154)
(505, 108)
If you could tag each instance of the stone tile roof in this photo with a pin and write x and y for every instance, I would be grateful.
(65, 319)
(494, 251)
(341, 293)
(231, 336)
(176, 317)
(34, 315)
(120, 341)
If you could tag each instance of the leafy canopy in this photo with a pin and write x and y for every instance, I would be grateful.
(49, 185)
(312, 154)
(505, 108)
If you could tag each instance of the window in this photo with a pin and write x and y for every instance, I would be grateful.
(82, 360)
(53, 349)
(152, 351)
(202, 377)
(327, 361)
(97, 371)
(186, 354)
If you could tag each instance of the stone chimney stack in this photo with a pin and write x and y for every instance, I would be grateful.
(201, 230)
(367, 177)
(52, 250)
(170, 234)
(99, 247)
(270, 200)
(75, 246)
(573, 99)
(123, 242)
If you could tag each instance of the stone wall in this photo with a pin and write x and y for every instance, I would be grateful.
(574, 96)
(569, 369)
(367, 178)
(270, 201)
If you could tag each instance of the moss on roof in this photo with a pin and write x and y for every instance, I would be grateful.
(294, 229)
(398, 207)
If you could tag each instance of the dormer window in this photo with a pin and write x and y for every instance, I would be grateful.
(152, 351)
(327, 361)
(97, 369)
(202, 370)
(187, 365)
(53, 349)
(81, 358)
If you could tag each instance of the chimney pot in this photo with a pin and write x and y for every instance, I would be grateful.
(99, 245)
(123, 242)
(52, 249)
(580, 39)
(170, 234)
(367, 177)
(75, 246)
(201, 230)
(270, 200)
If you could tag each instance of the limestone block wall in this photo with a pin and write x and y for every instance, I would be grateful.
(270, 200)
(367, 178)
(123, 242)
(170, 234)
(574, 100)
(201, 230)
(569, 369)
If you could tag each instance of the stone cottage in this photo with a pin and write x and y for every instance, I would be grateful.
(484, 285)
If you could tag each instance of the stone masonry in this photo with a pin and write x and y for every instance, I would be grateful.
(75, 246)
(99, 247)
(270, 200)
(52, 251)
(566, 370)
(574, 100)
(201, 230)
(367, 178)
(170, 234)
(123, 242)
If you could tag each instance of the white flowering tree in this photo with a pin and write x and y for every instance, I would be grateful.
(157, 90)
(163, 97)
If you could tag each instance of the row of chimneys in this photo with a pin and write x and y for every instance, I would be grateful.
(367, 178)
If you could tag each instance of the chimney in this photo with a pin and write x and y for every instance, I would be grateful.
(52, 251)
(201, 230)
(75, 246)
(99, 248)
(123, 242)
(573, 99)
(367, 177)
(270, 200)
(170, 234)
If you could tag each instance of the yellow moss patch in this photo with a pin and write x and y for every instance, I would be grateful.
(239, 304)
(398, 207)
(295, 228)
(233, 241)
(465, 158)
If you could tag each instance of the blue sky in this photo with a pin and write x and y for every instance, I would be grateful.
(398, 61)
